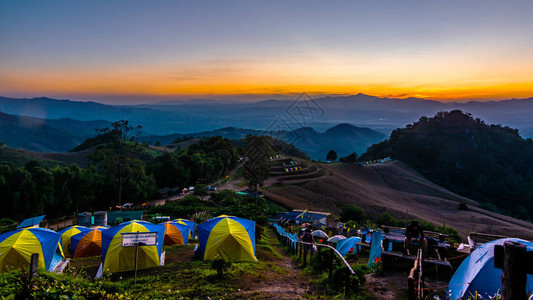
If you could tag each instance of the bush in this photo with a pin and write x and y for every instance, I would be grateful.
(388, 220)
(221, 266)
(343, 281)
(352, 212)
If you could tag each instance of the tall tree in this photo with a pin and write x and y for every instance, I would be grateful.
(119, 160)
(258, 150)
(332, 155)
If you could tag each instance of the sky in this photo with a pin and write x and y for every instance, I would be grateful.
(129, 52)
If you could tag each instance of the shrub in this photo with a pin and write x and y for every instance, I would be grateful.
(352, 212)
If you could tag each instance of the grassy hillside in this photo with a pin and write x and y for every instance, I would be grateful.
(488, 163)
(396, 188)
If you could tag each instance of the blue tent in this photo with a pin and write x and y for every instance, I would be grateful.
(348, 245)
(16, 248)
(31, 222)
(227, 237)
(477, 272)
(116, 258)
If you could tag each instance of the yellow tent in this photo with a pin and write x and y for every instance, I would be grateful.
(16, 248)
(68, 233)
(116, 258)
(226, 237)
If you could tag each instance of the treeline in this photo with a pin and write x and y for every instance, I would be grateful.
(209, 159)
(115, 168)
(223, 202)
(488, 163)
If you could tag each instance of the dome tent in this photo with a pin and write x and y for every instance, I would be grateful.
(16, 248)
(477, 272)
(191, 224)
(227, 237)
(116, 258)
(348, 245)
(175, 233)
(68, 233)
(87, 243)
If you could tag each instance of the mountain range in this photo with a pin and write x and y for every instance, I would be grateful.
(343, 138)
(380, 114)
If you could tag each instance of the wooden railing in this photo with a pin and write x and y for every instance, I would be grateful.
(303, 249)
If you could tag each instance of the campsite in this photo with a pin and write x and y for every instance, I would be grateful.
(278, 149)
(228, 257)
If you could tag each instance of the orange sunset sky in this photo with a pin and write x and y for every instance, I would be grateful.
(125, 53)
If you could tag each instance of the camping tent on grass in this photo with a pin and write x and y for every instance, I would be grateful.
(16, 248)
(191, 224)
(87, 243)
(336, 238)
(175, 233)
(348, 245)
(116, 258)
(68, 233)
(477, 272)
(226, 237)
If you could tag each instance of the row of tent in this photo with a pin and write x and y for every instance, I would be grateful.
(221, 237)
(85, 242)
(342, 244)
(476, 274)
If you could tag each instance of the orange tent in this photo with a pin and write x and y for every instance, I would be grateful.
(87, 243)
(175, 233)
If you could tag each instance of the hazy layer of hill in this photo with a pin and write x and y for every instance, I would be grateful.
(343, 138)
(29, 133)
(21, 157)
(45, 135)
(381, 114)
(488, 163)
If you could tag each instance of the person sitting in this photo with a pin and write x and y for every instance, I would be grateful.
(307, 237)
(415, 232)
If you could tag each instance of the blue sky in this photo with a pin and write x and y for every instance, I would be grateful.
(142, 51)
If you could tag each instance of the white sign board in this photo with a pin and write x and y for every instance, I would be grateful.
(132, 239)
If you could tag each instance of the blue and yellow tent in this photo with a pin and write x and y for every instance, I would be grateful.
(68, 233)
(116, 258)
(175, 233)
(87, 243)
(16, 248)
(226, 237)
(191, 224)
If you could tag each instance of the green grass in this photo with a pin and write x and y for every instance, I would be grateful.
(182, 279)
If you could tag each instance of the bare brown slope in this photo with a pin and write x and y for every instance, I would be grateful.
(394, 187)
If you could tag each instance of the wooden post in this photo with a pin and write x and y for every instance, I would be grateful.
(331, 254)
(305, 255)
(514, 276)
(136, 253)
(34, 264)
(411, 290)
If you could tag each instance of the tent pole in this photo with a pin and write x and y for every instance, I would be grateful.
(136, 253)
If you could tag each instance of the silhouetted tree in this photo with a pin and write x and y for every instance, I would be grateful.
(331, 156)
(352, 158)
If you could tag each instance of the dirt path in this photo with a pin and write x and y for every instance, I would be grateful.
(284, 280)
